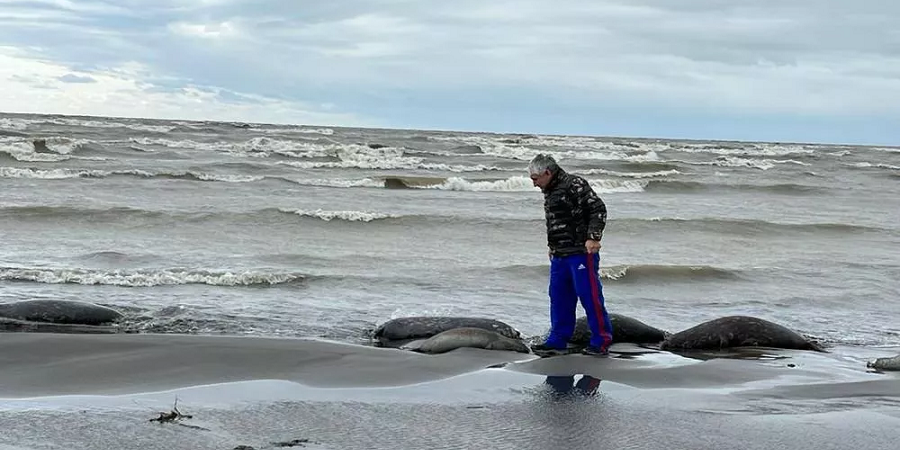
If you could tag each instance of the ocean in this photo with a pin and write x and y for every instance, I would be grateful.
(327, 232)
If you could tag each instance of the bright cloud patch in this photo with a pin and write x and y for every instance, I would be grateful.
(794, 69)
(122, 92)
(213, 30)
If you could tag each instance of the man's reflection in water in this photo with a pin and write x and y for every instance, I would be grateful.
(565, 386)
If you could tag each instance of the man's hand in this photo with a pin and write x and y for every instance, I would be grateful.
(592, 246)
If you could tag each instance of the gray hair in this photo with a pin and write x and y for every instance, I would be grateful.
(542, 162)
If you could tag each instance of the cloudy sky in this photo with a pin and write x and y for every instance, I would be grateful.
(777, 70)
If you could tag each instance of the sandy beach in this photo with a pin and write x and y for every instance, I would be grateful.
(100, 392)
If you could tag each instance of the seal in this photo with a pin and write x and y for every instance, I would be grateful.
(624, 329)
(470, 337)
(411, 182)
(399, 332)
(886, 364)
(738, 331)
(60, 312)
(24, 326)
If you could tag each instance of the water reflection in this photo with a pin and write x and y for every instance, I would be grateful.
(566, 386)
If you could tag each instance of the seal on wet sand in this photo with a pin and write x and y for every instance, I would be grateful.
(470, 337)
(737, 331)
(624, 329)
(399, 332)
(60, 312)
(886, 364)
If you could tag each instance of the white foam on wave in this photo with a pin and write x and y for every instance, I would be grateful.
(526, 154)
(263, 147)
(58, 149)
(12, 124)
(617, 186)
(350, 156)
(56, 174)
(524, 184)
(322, 131)
(350, 216)
(22, 123)
(512, 184)
(865, 165)
(105, 124)
(148, 277)
(730, 161)
(391, 165)
(657, 174)
(576, 142)
(340, 183)
(24, 151)
(227, 178)
(258, 147)
(745, 149)
(588, 148)
(46, 174)
(386, 158)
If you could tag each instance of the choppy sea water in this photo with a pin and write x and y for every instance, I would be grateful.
(207, 227)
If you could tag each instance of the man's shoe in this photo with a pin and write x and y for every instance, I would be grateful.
(594, 351)
(547, 350)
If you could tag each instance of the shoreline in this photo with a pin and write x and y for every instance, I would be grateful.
(261, 391)
(51, 364)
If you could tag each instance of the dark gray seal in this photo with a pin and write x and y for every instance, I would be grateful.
(470, 337)
(59, 311)
(24, 326)
(885, 364)
(398, 332)
(738, 331)
(624, 329)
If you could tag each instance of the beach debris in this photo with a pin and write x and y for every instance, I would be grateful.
(292, 443)
(172, 415)
(175, 416)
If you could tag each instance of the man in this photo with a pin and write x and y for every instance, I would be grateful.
(576, 218)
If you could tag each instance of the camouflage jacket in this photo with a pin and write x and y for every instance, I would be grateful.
(574, 214)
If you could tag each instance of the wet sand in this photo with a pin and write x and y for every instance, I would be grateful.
(54, 364)
(99, 392)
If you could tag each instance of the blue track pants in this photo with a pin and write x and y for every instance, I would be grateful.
(572, 278)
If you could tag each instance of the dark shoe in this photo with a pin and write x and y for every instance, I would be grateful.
(594, 351)
(546, 350)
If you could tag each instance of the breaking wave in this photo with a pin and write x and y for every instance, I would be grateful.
(148, 277)
(753, 163)
(351, 216)
(58, 174)
(512, 184)
(868, 165)
(656, 174)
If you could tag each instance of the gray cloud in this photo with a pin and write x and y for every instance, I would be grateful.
(793, 57)
(72, 78)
